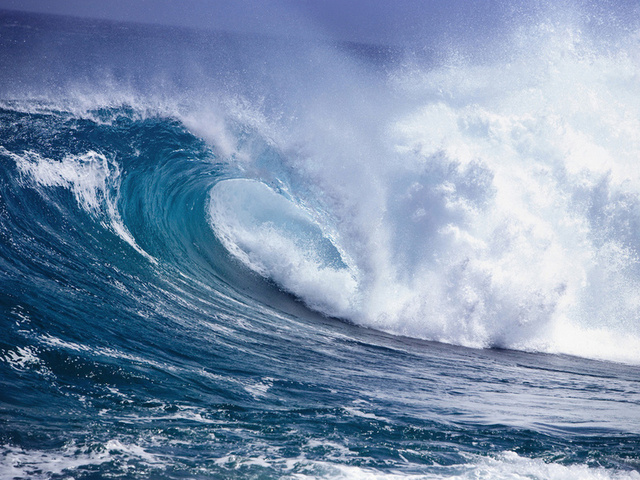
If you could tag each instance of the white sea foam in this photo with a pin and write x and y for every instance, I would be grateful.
(506, 466)
(22, 358)
(93, 179)
(18, 463)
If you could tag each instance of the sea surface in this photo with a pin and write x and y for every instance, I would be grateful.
(239, 255)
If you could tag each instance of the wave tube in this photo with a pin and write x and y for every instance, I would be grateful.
(275, 238)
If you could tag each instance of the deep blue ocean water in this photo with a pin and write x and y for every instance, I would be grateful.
(237, 256)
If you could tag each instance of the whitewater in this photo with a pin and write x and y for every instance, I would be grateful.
(295, 255)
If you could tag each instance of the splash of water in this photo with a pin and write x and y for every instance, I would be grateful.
(487, 202)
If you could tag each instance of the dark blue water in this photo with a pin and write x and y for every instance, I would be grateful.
(220, 258)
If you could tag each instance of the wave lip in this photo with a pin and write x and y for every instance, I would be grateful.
(93, 179)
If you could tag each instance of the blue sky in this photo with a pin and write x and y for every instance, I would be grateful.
(376, 21)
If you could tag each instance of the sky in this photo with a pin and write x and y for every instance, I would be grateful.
(371, 21)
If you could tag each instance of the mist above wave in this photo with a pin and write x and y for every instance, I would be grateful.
(485, 200)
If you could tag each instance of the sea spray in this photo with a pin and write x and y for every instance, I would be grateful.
(493, 204)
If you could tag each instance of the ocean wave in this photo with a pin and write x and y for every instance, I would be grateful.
(241, 255)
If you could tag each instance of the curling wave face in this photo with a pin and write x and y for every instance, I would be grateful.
(483, 203)
(433, 203)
